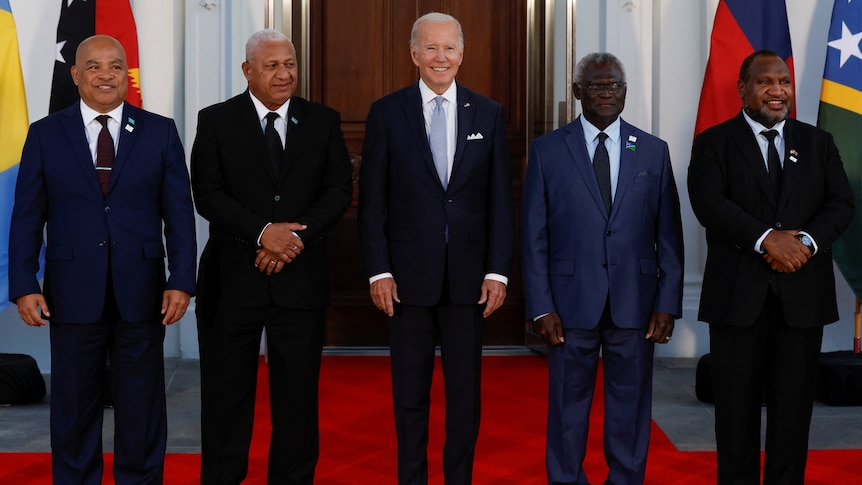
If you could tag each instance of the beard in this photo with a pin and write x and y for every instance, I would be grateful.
(764, 116)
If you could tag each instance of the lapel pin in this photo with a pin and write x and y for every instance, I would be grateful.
(130, 125)
(793, 156)
(294, 120)
(466, 105)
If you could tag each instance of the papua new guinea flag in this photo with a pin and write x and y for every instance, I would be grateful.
(741, 27)
(80, 19)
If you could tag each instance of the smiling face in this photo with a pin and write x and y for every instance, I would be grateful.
(437, 52)
(101, 73)
(601, 108)
(272, 72)
(767, 93)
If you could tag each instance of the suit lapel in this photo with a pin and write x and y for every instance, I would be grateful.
(464, 125)
(412, 107)
(296, 127)
(76, 133)
(577, 147)
(128, 135)
(791, 158)
(628, 159)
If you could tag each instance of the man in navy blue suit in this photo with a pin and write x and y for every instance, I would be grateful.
(435, 221)
(603, 268)
(104, 178)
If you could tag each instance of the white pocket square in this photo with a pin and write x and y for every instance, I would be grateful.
(475, 136)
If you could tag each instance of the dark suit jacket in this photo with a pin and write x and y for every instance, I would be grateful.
(575, 254)
(238, 192)
(57, 186)
(404, 211)
(730, 193)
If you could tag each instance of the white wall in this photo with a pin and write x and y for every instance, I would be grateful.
(191, 51)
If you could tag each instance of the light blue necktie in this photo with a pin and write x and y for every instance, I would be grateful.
(437, 139)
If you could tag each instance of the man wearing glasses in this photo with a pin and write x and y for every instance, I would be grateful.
(602, 267)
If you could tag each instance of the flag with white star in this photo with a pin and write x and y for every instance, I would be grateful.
(80, 19)
(841, 114)
(740, 28)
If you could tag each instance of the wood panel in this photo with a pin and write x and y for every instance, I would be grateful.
(359, 53)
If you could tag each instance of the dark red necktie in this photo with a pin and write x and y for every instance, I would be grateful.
(104, 154)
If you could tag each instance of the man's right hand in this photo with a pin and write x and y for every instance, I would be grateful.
(784, 252)
(31, 308)
(550, 327)
(384, 293)
(280, 239)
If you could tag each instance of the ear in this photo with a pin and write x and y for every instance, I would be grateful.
(414, 56)
(577, 91)
(74, 73)
(246, 70)
(740, 88)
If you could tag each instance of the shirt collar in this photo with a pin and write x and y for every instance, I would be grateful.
(756, 127)
(451, 94)
(590, 131)
(88, 114)
(262, 110)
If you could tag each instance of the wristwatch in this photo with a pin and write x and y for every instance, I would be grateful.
(806, 241)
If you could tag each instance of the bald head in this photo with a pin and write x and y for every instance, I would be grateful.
(101, 73)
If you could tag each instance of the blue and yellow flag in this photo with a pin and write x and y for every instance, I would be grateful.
(841, 114)
(13, 131)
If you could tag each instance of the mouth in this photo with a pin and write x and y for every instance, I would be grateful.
(439, 69)
(105, 87)
(775, 104)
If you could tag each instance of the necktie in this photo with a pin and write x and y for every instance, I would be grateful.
(437, 139)
(602, 168)
(773, 164)
(104, 154)
(273, 141)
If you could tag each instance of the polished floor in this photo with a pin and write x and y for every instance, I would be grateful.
(685, 420)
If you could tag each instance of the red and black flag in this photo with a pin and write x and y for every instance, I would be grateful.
(80, 19)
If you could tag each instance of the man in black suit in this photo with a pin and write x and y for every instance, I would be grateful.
(269, 205)
(773, 197)
(435, 221)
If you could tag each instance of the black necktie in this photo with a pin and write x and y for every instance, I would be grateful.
(273, 141)
(602, 167)
(773, 163)
(104, 154)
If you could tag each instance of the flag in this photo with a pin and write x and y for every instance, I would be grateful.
(80, 19)
(841, 114)
(741, 27)
(13, 132)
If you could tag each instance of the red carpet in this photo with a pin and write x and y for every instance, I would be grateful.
(358, 435)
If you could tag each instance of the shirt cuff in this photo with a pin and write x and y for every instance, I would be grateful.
(379, 277)
(259, 236)
(758, 245)
(497, 277)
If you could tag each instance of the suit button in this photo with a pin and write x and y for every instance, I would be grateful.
(609, 233)
(277, 198)
(449, 201)
(778, 225)
(102, 244)
(604, 265)
(107, 209)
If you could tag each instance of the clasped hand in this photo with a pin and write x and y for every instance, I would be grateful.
(784, 252)
(280, 245)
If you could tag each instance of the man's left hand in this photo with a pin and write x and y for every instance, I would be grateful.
(660, 327)
(493, 295)
(174, 304)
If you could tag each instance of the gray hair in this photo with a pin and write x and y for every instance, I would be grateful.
(261, 36)
(597, 58)
(439, 18)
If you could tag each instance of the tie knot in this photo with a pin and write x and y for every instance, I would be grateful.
(770, 134)
(271, 117)
(103, 119)
(602, 136)
(439, 100)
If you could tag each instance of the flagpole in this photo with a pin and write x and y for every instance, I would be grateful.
(858, 329)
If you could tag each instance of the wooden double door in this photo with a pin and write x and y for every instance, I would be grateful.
(358, 52)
